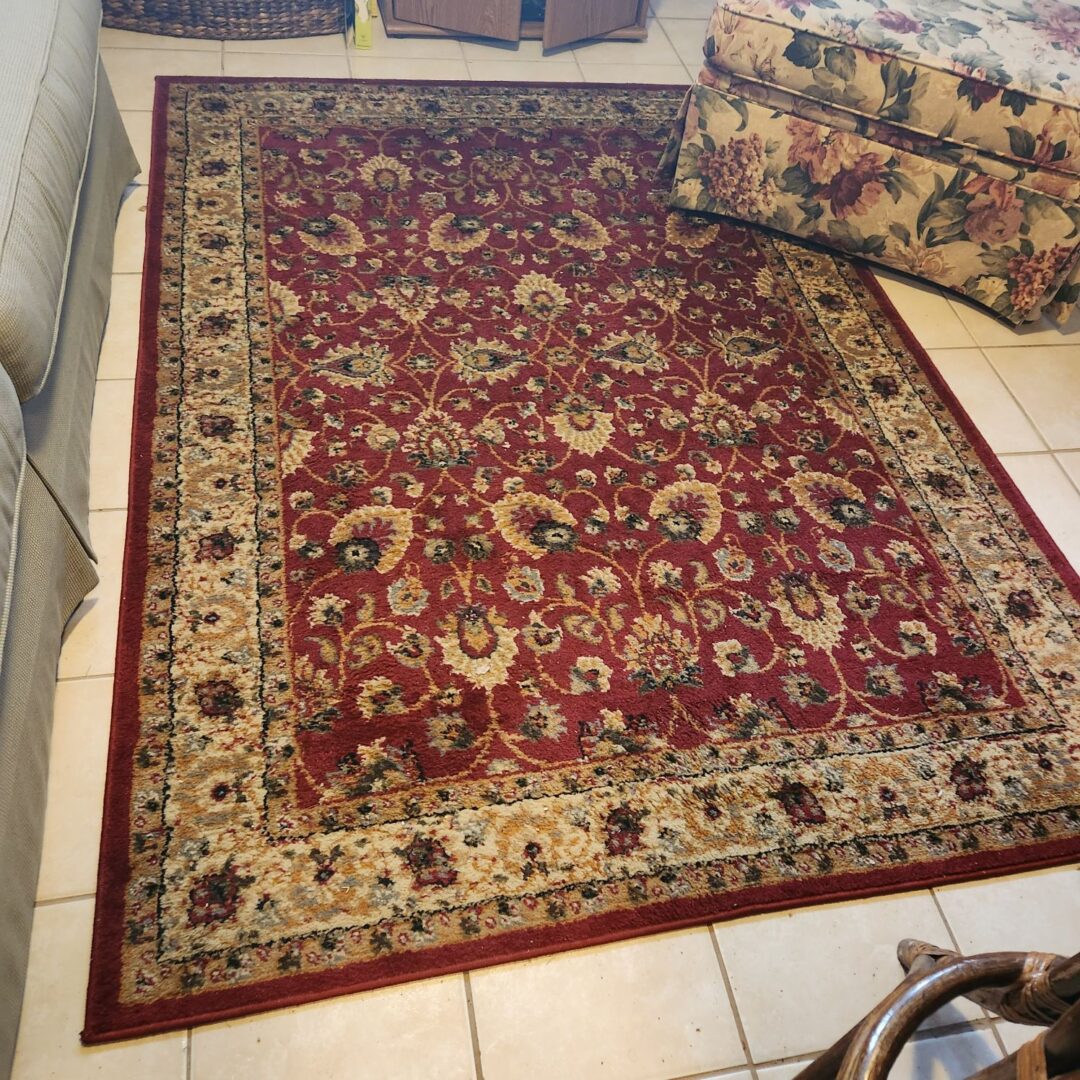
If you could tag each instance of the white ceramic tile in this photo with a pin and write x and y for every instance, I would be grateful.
(1046, 382)
(925, 311)
(657, 74)
(772, 960)
(367, 65)
(120, 346)
(927, 1057)
(787, 1070)
(90, 637)
(1070, 462)
(652, 1007)
(526, 49)
(52, 1016)
(988, 330)
(138, 126)
(110, 444)
(946, 1057)
(130, 240)
(1028, 912)
(410, 48)
(655, 49)
(987, 400)
(524, 71)
(132, 71)
(1015, 1035)
(128, 39)
(80, 743)
(409, 1032)
(1052, 496)
(287, 65)
(687, 37)
(323, 45)
(684, 9)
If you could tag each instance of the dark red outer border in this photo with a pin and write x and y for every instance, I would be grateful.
(107, 1020)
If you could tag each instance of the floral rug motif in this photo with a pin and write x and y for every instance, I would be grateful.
(515, 563)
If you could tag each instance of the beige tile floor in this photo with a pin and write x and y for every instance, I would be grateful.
(749, 999)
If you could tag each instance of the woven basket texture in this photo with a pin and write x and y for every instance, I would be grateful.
(227, 19)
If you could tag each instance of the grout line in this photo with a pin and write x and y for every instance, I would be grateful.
(945, 919)
(114, 47)
(189, 1063)
(81, 678)
(920, 1035)
(955, 941)
(1068, 476)
(999, 1040)
(658, 24)
(708, 1074)
(1019, 404)
(679, 56)
(795, 1059)
(474, 1034)
(1032, 345)
(1052, 454)
(55, 901)
(1064, 472)
(732, 1002)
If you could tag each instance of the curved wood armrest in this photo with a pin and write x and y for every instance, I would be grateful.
(879, 1038)
(1031, 988)
(1047, 987)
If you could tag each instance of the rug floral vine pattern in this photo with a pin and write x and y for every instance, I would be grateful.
(516, 563)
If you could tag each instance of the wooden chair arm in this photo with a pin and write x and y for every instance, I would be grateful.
(1032, 988)
(880, 1037)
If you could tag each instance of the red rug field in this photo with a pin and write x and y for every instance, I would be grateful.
(515, 564)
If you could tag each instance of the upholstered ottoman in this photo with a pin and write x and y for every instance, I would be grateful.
(937, 137)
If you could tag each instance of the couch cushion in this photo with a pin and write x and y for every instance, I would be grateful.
(48, 64)
(997, 75)
(12, 466)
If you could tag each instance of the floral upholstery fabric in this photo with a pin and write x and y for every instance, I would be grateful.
(943, 141)
(1061, 185)
(998, 76)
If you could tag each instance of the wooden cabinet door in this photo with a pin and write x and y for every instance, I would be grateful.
(484, 18)
(574, 20)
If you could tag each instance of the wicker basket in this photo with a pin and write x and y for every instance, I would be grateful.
(227, 19)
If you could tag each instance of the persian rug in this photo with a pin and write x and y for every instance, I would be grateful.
(515, 564)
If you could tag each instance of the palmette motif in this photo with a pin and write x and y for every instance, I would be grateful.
(521, 553)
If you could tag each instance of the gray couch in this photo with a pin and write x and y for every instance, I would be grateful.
(64, 163)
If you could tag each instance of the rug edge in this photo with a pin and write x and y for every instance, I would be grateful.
(104, 949)
(94, 1034)
(987, 455)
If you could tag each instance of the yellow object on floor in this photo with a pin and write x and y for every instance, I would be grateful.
(366, 12)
